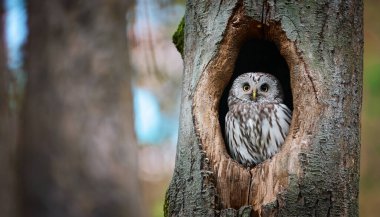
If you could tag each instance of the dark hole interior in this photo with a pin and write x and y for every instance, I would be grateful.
(258, 55)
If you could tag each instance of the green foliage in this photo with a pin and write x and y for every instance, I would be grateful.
(372, 77)
(371, 100)
(157, 209)
(178, 36)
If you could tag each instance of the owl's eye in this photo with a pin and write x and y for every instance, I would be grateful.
(264, 87)
(246, 86)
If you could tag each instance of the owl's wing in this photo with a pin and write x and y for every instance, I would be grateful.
(275, 126)
(238, 139)
(283, 117)
(231, 129)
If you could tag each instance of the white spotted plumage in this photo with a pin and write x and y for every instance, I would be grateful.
(256, 123)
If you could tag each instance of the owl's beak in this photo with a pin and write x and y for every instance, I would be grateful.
(254, 94)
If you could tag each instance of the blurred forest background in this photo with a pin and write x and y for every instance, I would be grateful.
(154, 68)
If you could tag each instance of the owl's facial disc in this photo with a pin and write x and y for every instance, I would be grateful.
(257, 88)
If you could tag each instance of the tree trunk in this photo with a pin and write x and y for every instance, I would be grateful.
(7, 131)
(77, 149)
(316, 173)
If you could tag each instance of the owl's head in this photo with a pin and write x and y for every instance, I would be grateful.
(255, 87)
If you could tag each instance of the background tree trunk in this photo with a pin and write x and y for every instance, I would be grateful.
(78, 150)
(7, 131)
(317, 171)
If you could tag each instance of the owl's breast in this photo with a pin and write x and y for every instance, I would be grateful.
(256, 132)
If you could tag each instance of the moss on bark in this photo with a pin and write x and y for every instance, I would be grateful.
(178, 36)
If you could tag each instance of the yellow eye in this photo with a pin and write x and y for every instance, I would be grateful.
(246, 87)
(264, 87)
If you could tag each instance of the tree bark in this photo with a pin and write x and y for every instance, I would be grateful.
(316, 173)
(78, 149)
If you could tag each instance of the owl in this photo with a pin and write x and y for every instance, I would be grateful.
(257, 121)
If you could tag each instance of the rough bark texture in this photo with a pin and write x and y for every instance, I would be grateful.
(7, 132)
(77, 149)
(317, 171)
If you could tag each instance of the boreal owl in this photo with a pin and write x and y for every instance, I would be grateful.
(257, 121)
